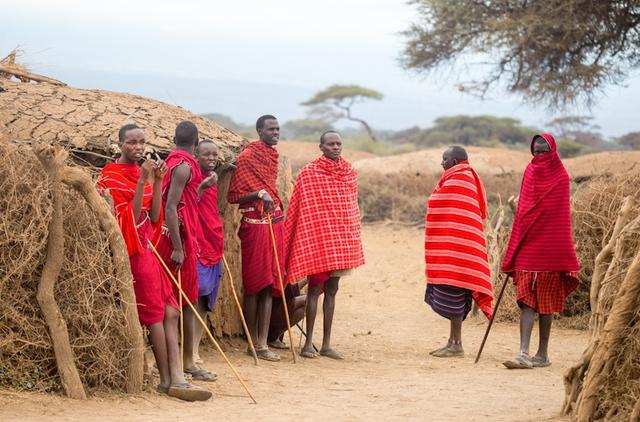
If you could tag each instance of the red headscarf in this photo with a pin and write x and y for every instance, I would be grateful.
(121, 180)
(257, 169)
(542, 237)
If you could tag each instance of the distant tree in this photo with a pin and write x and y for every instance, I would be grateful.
(335, 103)
(470, 130)
(630, 140)
(551, 51)
(568, 148)
(305, 128)
(227, 122)
(579, 129)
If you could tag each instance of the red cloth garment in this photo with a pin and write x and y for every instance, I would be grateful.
(259, 269)
(120, 180)
(455, 243)
(544, 292)
(257, 169)
(211, 240)
(541, 236)
(151, 286)
(189, 223)
(322, 228)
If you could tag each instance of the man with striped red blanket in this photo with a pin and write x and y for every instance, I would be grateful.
(541, 256)
(322, 233)
(457, 267)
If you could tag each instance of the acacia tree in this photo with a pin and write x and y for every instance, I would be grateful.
(554, 51)
(335, 103)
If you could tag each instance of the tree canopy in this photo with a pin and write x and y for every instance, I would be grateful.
(335, 103)
(552, 51)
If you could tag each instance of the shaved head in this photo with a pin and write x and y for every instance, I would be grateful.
(453, 155)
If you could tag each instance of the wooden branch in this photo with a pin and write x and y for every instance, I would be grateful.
(599, 268)
(622, 311)
(23, 74)
(79, 180)
(52, 160)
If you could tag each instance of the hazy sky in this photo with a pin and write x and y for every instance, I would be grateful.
(248, 57)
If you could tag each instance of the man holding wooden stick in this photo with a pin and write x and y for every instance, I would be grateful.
(136, 193)
(457, 266)
(322, 234)
(178, 244)
(541, 256)
(253, 188)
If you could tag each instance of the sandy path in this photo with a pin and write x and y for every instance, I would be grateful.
(385, 331)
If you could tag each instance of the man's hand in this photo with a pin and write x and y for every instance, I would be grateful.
(147, 170)
(177, 256)
(209, 181)
(159, 170)
(268, 204)
(227, 167)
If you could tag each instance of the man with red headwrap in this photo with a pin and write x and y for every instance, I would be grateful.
(541, 256)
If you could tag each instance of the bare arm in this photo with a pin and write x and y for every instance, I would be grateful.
(160, 169)
(145, 171)
(179, 180)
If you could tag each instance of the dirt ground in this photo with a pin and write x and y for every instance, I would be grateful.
(385, 332)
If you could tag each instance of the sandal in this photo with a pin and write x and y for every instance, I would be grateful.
(309, 354)
(278, 344)
(330, 353)
(189, 392)
(201, 374)
(267, 354)
(521, 361)
(448, 352)
(539, 362)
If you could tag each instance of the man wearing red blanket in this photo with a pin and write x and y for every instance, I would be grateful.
(541, 256)
(253, 187)
(457, 267)
(178, 244)
(322, 233)
(138, 209)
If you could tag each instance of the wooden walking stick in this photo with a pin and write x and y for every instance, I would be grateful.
(493, 317)
(204, 325)
(181, 322)
(244, 322)
(284, 298)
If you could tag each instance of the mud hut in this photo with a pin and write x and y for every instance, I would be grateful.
(83, 123)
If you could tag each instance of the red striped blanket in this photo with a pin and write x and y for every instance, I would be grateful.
(455, 243)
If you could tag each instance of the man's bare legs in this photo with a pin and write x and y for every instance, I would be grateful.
(170, 324)
(313, 294)
(198, 330)
(189, 335)
(328, 308)
(522, 360)
(257, 310)
(454, 344)
(159, 346)
(542, 356)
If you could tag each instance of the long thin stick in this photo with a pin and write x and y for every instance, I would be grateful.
(204, 325)
(181, 322)
(284, 298)
(244, 322)
(305, 336)
(493, 317)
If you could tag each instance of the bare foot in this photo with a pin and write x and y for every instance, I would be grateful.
(433, 352)
(330, 353)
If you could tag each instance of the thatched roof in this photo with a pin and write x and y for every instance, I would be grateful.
(89, 120)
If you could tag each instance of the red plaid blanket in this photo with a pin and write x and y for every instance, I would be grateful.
(257, 168)
(322, 228)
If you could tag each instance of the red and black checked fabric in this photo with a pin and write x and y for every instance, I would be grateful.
(544, 292)
(542, 236)
(455, 243)
(322, 228)
(120, 181)
(257, 169)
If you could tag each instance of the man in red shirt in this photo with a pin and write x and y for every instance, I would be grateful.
(136, 193)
